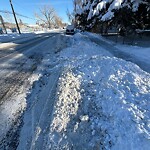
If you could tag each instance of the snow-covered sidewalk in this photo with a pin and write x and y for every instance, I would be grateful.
(136, 54)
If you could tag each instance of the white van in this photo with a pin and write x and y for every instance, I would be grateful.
(70, 29)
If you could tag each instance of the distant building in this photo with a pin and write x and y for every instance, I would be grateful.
(34, 26)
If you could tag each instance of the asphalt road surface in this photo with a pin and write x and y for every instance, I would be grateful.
(14, 58)
(19, 59)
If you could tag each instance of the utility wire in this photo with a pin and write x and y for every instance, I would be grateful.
(9, 12)
(22, 8)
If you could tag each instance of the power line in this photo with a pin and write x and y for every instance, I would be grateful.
(8, 12)
(20, 6)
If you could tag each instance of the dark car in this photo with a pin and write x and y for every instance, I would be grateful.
(1, 31)
(70, 29)
(13, 30)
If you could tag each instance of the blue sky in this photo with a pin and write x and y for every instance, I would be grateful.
(29, 7)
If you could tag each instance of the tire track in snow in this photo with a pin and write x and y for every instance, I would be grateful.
(46, 113)
(12, 80)
(38, 115)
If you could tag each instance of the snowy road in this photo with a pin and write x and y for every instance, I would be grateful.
(20, 65)
(12, 62)
(9, 49)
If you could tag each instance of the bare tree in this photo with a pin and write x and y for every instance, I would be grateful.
(8, 17)
(3, 24)
(70, 16)
(46, 16)
(58, 21)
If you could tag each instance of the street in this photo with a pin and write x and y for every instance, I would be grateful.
(19, 60)
(13, 62)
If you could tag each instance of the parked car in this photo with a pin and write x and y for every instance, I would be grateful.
(13, 30)
(70, 29)
(1, 31)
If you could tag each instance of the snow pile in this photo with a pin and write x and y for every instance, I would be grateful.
(102, 102)
(68, 84)
(81, 47)
(67, 105)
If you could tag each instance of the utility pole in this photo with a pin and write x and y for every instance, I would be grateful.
(15, 16)
(2, 21)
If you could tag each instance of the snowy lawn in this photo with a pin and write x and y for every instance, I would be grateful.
(14, 36)
(27, 34)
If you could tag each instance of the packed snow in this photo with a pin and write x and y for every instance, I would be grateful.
(85, 98)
